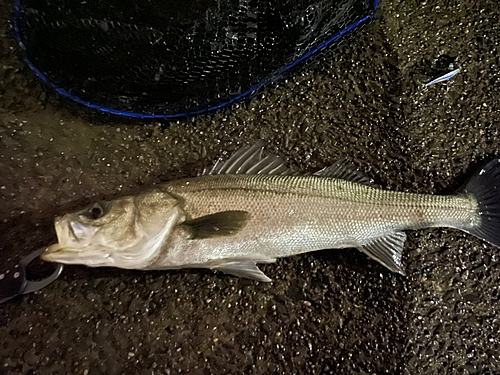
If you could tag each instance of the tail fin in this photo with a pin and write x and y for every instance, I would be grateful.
(485, 187)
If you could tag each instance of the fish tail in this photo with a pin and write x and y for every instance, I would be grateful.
(484, 186)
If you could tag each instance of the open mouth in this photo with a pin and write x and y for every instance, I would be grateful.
(75, 247)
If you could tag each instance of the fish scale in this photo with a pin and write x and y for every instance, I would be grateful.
(306, 213)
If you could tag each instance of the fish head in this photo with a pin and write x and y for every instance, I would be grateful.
(124, 233)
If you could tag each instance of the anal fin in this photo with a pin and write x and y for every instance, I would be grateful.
(387, 250)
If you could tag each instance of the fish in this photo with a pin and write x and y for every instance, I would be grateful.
(443, 77)
(253, 209)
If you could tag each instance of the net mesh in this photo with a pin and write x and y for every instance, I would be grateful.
(157, 58)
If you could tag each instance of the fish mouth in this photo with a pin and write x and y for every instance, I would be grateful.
(88, 256)
(52, 253)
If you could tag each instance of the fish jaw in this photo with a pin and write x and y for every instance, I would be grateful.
(74, 245)
(92, 257)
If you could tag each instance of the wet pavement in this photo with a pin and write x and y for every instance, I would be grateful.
(327, 312)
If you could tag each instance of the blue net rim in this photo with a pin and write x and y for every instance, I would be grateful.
(145, 116)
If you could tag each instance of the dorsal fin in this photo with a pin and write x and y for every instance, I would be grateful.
(250, 160)
(345, 169)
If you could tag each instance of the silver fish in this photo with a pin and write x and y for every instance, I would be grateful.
(443, 77)
(253, 209)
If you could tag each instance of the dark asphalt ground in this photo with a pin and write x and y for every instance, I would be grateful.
(327, 312)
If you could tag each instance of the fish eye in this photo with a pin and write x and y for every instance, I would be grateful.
(95, 211)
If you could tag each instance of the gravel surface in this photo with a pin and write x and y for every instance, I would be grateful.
(331, 312)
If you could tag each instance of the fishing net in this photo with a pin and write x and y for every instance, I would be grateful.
(169, 58)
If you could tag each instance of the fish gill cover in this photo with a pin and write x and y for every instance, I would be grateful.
(166, 59)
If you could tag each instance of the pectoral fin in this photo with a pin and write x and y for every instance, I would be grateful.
(387, 250)
(241, 268)
(226, 223)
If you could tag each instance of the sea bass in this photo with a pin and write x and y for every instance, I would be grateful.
(253, 209)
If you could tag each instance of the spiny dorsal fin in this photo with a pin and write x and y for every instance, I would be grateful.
(387, 250)
(226, 223)
(250, 160)
(345, 170)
